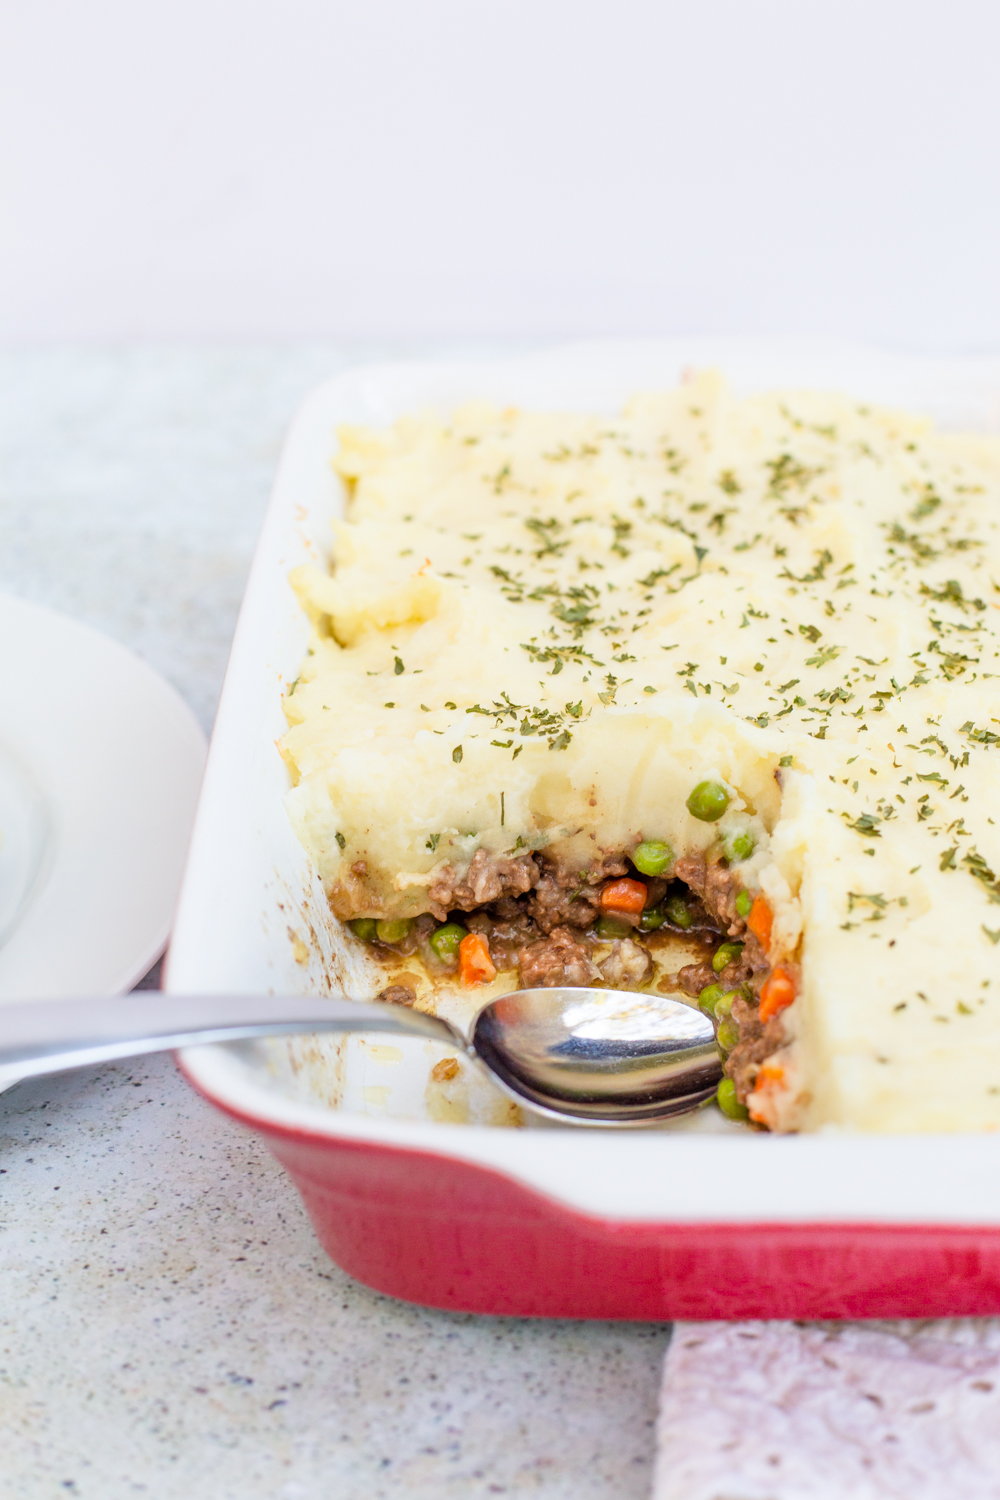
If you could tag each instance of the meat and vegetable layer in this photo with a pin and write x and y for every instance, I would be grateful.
(718, 671)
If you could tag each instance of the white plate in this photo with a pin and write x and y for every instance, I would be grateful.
(100, 765)
(249, 891)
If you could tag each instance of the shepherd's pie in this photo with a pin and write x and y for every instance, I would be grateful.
(719, 668)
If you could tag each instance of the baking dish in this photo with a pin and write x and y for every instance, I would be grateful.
(694, 1221)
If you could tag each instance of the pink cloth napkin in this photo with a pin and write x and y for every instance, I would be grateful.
(831, 1411)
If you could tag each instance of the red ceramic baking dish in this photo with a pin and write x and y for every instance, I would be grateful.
(698, 1219)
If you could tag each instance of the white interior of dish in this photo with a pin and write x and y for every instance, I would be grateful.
(253, 916)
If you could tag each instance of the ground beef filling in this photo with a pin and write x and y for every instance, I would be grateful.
(397, 994)
(560, 958)
(541, 917)
(487, 879)
(563, 897)
(757, 1041)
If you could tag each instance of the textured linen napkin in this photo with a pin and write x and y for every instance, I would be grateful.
(831, 1411)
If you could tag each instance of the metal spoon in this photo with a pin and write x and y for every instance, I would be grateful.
(590, 1056)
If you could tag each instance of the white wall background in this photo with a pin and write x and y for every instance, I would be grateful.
(405, 168)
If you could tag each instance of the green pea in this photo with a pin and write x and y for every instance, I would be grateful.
(709, 998)
(739, 846)
(652, 920)
(388, 931)
(609, 928)
(445, 940)
(727, 1035)
(726, 955)
(679, 913)
(708, 801)
(727, 1101)
(652, 857)
(724, 1005)
(744, 904)
(363, 928)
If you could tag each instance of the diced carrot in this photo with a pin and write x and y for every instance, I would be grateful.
(778, 991)
(759, 922)
(474, 962)
(771, 1076)
(770, 1073)
(624, 895)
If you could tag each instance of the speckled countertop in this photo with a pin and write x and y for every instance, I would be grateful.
(168, 1324)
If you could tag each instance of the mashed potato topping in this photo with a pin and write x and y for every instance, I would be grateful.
(544, 631)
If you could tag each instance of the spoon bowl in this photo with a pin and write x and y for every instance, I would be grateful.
(596, 1056)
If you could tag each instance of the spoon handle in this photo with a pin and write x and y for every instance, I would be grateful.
(49, 1036)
